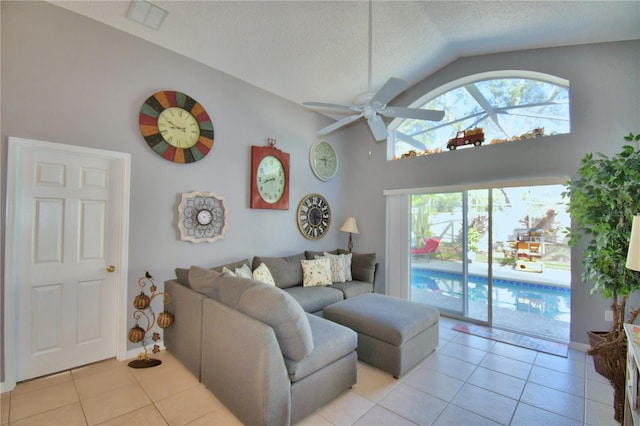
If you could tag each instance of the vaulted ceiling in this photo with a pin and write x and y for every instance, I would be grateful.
(319, 50)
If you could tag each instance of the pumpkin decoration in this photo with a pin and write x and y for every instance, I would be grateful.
(165, 319)
(142, 304)
(136, 334)
(141, 301)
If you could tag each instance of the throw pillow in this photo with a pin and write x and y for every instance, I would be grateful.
(316, 272)
(363, 266)
(347, 266)
(205, 281)
(261, 273)
(336, 262)
(244, 272)
(228, 271)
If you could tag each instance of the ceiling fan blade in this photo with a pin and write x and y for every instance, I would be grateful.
(334, 106)
(415, 113)
(330, 128)
(392, 88)
(378, 128)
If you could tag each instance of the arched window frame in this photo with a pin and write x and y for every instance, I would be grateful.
(396, 137)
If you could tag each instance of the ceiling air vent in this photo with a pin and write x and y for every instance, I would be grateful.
(147, 14)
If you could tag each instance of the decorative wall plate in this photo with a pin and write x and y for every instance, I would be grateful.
(176, 127)
(202, 217)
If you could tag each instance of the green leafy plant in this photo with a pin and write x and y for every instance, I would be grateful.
(602, 203)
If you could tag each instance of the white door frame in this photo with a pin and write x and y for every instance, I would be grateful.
(12, 256)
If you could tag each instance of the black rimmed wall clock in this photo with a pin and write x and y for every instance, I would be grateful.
(314, 216)
(176, 126)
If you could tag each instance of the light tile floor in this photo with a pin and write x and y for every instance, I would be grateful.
(467, 381)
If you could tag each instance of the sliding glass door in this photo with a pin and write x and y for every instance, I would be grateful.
(495, 256)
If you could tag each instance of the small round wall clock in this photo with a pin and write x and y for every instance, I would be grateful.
(176, 127)
(324, 160)
(314, 216)
(202, 217)
(269, 178)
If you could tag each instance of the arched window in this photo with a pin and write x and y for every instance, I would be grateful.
(505, 105)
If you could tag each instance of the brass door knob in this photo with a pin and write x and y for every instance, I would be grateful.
(111, 268)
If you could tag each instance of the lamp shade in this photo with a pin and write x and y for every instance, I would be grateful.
(350, 225)
(633, 255)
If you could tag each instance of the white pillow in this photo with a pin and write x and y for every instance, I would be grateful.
(336, 262)
(229, 271)
(316, 272)
(347, 266)
(244, 272)
(262, 273)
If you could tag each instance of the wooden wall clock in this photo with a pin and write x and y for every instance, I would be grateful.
(176, 127)
(269, 178)
(202, 217)
(314, 216)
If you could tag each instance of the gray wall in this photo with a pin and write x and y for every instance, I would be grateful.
(605, 106)
(68, 79)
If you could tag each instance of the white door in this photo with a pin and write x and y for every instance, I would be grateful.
(68, 217)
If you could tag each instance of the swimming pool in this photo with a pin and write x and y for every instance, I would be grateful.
(546, 301)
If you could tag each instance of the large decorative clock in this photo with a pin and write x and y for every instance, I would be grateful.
(176, 127)
(314, 216)
(202, 217)
(323, 159)
(269, 178)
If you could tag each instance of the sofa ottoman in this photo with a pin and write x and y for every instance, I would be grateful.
(394, 334)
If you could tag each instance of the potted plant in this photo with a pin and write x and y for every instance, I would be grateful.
(602, 202)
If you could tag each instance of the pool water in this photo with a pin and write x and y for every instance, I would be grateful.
(546, 301)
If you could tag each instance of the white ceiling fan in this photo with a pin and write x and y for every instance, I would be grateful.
(371, 107)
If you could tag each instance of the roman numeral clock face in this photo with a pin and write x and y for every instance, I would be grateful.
(314, 216)
(176, 127)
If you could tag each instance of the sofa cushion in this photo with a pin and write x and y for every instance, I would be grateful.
(205, 281)
(310, 255)
(314, 299)
(363, 266)
(316, 272)
(273, 307)
(331, 341)
(286, 271)
(182, 276)
(353, 288)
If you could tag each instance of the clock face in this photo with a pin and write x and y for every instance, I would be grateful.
(270, 179)
(324, 160)
(176, 127)
(314, 216)
(204, 217)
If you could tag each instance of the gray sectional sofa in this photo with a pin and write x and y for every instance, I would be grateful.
(259, 348)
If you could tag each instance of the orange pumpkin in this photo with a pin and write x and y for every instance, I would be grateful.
(141, 301)
(136, 334)
(165, 319)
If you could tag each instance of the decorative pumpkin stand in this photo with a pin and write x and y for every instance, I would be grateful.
(142, 303)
